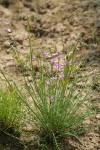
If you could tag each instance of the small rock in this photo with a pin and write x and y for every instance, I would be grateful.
(20, 37)
(98, 116)
(6, 44)
(28, 128)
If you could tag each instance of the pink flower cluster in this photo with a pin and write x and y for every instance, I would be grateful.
(58, 62)
(5, 23)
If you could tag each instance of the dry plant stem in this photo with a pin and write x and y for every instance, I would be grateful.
(69, 134)
(12, 136)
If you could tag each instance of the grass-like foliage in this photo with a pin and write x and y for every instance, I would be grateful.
(56, 104)
(10, 110)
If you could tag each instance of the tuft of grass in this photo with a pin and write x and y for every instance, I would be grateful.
(10, 110)
(55, 103)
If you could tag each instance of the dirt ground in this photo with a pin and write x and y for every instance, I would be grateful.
(55, 24)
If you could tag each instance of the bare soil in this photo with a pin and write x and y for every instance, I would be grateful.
(60, 24)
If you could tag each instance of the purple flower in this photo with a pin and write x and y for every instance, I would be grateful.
(56, 67)
(53, 61)
(4, 22)
(55, 54)
(47, 55)
(63, 64)
(9, 30)
(54, 78)
(47, 82)
(62, 56)
(33, 57)
(51, 98)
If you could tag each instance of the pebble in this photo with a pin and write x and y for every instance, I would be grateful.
(98, 116)
(20, 37)
(6, 44)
